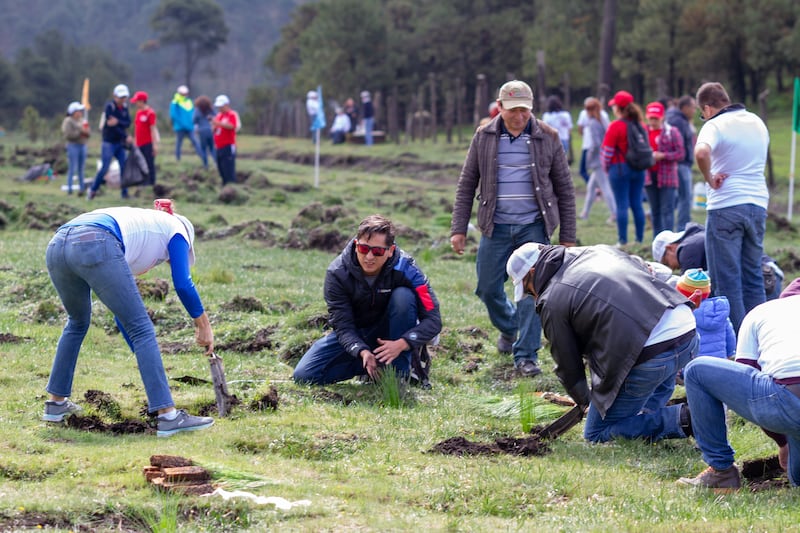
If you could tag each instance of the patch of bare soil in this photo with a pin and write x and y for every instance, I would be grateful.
(95, 522)
(95, 424)
(9, 338)
(262, 340)
(764, 474)
(37, 218)
(401, 166)
(244, 304)
(266, 401)
(525, 446)
(156, 289)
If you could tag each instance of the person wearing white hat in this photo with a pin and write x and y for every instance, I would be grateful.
(605, 310)
(114, 124)
(181, 112)
(226, 123)
(76, 134)
(102, 251)
(312, 108)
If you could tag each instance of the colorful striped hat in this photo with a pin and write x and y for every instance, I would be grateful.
(693, 279)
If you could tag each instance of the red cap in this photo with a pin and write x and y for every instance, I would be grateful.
(654, 109)
(621, 99)
(139, 95)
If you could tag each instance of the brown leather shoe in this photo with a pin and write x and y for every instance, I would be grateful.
(720, 481)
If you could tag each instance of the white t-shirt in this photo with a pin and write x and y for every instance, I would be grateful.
(769, 335)
(583, 123)
(146, 234)
(738, 141)
(561, 121)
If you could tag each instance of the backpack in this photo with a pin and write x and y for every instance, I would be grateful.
(640, 154)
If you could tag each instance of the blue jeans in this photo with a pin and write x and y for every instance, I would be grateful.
(76, 157)
(493, 253)
(662, 207)
(368, 125)
(734, 245)
(107, 151)
(327, 361)
(640, 409)
(226, 163)
(628, 186)
(83, 259)
(712, 383)
(206, 141)
(684, 199)
(186, 134)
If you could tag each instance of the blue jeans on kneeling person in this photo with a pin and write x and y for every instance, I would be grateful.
(640, 409)
(327, 361)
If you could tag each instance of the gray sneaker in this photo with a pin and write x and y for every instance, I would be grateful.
(527, 368)
(54, 412)
(183, 422)
(505, 344)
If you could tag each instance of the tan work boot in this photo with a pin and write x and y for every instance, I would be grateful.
(720, 481)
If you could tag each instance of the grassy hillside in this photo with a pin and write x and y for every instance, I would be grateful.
(363, 460)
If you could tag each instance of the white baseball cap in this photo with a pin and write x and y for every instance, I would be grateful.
(520, 263)
(183, 89)
(121, 91)
(74, 106)
(662, 240)
(221, 100)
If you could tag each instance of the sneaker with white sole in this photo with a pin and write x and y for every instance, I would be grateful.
(54, 412)
(720, 481)
(183, 422)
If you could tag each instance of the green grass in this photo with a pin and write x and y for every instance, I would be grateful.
(359, 457)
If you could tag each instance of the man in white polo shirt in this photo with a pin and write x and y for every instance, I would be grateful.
(731, 153)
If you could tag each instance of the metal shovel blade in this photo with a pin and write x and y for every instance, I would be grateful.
(563, 423)
(224, 399)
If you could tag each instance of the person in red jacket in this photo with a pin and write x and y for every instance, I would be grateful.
(146, 132)
(627, 184)
(225, 126)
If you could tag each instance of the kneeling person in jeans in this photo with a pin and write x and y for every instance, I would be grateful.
(381, 306)
(605, 309)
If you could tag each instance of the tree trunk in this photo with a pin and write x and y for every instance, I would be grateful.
(605, 73)
(432, 80)
(541, 82)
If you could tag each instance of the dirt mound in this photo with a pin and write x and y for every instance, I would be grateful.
(8, 338)
(266, 401)
(244, 304)
(156, 289)
(524, 446)
(95, 424)
(262, 340)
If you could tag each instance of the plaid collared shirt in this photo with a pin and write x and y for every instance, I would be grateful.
(670, 143)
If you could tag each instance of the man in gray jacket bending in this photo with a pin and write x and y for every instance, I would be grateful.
(519, 169)
(604, 309)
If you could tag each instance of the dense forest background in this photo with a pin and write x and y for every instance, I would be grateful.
(278, 49)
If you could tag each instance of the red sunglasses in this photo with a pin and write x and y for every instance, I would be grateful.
(377, 251)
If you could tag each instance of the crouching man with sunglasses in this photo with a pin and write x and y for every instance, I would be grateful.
(381, 306)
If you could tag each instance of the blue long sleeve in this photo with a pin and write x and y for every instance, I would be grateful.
(178, 249)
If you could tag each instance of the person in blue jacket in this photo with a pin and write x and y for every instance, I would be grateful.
(717, 337)
(381, 307)
(181, 112)
(114, 125)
